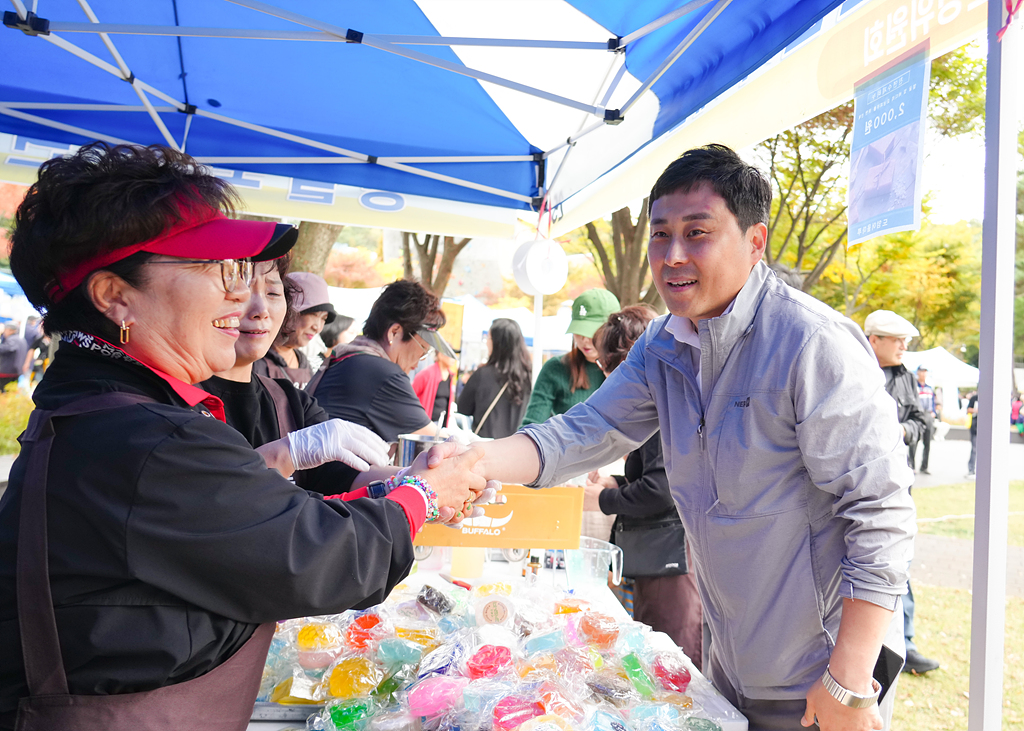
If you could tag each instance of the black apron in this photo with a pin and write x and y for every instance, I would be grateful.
(220, 700)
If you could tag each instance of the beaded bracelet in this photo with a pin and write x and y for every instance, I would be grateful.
(426, 490)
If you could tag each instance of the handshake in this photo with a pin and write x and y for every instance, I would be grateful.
(447, 467)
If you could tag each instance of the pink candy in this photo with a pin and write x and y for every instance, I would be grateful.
(434, 695)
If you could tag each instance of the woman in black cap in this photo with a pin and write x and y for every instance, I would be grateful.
(143, 566)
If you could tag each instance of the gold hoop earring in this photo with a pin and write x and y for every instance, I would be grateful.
(126, 333)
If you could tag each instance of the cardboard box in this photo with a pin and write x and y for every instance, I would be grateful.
(545, 518)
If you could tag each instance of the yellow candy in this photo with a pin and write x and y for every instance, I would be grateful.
(318, 636)
(570, 605)
(539, 664)
(353, 677)
(428, 638)
(498, 587)
(296, 689)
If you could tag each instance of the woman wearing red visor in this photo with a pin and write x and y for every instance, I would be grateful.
(145, 548)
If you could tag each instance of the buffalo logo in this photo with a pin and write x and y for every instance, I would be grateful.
(485, 525)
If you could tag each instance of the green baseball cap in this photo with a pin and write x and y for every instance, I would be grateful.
(590, 310)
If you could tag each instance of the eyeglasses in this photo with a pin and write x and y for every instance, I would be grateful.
(232, 271)
(423, 346)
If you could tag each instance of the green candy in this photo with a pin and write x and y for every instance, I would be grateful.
(638, 676)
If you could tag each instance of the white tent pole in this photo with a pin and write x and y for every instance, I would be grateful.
(82, 107)
(317, 36)
(674, 56)
(991, 500)
(375, 42)
(63, 127)
(662, 21)
(129, 77)
(222, 160)
(455, 181)
(538, 349)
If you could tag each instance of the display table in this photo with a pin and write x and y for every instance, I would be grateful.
(707, 701)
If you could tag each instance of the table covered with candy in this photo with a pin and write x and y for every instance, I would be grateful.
(508, 653)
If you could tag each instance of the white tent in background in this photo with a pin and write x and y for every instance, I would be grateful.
(945, 371)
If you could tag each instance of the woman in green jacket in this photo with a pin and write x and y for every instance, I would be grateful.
(569, 380)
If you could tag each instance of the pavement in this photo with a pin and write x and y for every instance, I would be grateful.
(938, 560)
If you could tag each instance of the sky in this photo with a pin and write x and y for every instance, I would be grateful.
(954, 171)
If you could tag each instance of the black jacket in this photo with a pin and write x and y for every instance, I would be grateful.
(170, 540)
(902, 386)
(479, 394)
(643, 497)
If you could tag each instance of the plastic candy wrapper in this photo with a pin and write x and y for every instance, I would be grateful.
(353, 677)
(318, 643)
(435, 600)
(671, 672)
(433, 696)
(504, 656)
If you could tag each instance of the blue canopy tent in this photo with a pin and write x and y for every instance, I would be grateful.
(448, 105)
(470, 115)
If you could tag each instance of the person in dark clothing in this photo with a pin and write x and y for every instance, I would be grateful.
(665, 592)
(434, 386)
(367, 382)
(972, 409)
(888, 334)
(930, 406)
(314, 311)
(13, 351)
(158, 550)
(496, 395)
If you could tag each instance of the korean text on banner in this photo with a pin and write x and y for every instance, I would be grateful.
(887, 150)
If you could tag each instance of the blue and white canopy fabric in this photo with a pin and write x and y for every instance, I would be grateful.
(476, 110)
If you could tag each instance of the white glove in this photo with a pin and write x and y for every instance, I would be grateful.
(336, 441)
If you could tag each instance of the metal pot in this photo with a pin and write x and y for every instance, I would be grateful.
(410, 445)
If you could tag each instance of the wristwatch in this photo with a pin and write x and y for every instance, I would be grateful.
(378, 489)
(848, 697)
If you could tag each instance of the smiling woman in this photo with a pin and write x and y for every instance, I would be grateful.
(154, 514)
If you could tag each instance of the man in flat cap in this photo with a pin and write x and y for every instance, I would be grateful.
(888, 334)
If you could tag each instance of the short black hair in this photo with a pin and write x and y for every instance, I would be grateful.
(746, 190)
(100, 199)
(407, 303)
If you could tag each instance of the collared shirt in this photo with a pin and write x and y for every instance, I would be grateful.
(682, 330)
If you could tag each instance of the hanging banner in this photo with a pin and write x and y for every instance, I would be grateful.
(888, 149)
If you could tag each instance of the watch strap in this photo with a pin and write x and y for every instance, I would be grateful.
(848, 697)
(378, 489)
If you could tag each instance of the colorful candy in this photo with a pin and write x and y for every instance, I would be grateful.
(515, 710)
(671, 672)
(599, 629)
(488, 661)
(638, 676)
(352, 677)
(434, 600)
(433, 696)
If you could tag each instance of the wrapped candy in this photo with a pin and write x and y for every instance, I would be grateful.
(599, 629)
(671, 672)
(638, 676)
(362, 630)
(606, 721)
(546, 722)
(612, 687)
(556, 701)
(349, 714)
(435, 600)
(352, 677)
(427, 637)
(488, 661)
(695, 723)
(514, 710)
(433, 696)
(395, 651)
(548, 642)
(319, 643)
(445, 660)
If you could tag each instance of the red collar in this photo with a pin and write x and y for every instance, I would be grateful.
(190, 394)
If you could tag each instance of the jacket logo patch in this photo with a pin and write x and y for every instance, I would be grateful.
(742, 404)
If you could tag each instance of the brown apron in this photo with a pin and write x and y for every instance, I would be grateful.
(298, 376)
(220, 700)
(285, 418)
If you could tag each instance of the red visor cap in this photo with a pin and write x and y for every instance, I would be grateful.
(217, 237)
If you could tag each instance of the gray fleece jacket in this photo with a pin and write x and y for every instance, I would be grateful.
(789, 473)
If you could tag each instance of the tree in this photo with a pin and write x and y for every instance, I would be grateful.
(314, 245)
(808, 167)
(618, 249)
(433, 275)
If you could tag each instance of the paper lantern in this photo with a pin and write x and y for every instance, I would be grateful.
(540, 267)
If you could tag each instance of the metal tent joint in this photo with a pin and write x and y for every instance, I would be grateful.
(353, 36)
(615, 44)
(32, 25)
(371, 159)
(613, 116)
(189, 109)
(130, 78)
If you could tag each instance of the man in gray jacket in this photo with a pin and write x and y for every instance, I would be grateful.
(782, 448)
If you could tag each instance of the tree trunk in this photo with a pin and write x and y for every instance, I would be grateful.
(406, 255)
(314, 246)
(444, 269)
